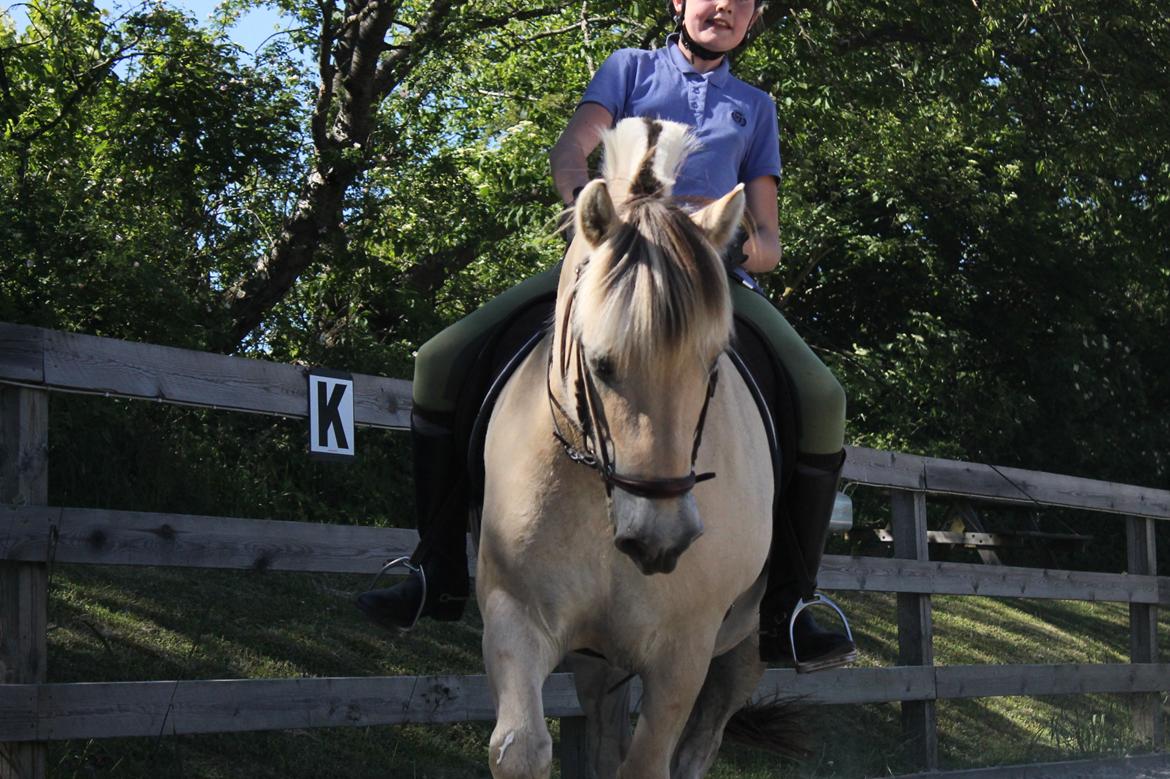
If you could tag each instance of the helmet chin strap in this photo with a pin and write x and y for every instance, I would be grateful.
(697, 49)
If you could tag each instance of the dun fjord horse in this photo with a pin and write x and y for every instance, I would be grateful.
(596, 532)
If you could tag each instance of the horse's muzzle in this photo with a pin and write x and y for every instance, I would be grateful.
(647, 562)
(652, 536)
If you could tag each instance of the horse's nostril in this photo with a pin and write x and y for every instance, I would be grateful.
(631, 547)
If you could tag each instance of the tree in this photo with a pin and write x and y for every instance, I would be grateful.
(973, 205)
(137, 164)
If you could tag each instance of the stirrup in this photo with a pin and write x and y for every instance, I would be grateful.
(818, 598)
(415, 570)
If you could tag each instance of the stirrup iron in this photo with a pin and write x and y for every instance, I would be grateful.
(818, 598)
(414, 570)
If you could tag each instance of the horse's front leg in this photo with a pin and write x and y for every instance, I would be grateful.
(519, 655)
(731, 679)
(670, 685)
(604, 693)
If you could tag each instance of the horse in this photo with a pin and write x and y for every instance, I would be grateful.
(628, 484)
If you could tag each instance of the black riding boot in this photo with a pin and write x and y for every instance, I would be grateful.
(440, 560)
(809, 508)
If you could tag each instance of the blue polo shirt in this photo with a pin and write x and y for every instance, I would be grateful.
(735, 123)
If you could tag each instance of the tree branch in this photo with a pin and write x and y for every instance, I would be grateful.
(891, 32)
(6, 88)
(86, 83)
(356, 81)
(879, 36)
(655, 31)
(791, 289)
(393, 67)
(574, 27)
(320, 118)
(584, 25)
(489, 22)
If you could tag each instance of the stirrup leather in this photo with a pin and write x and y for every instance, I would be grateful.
(414, 570)
(818, 598)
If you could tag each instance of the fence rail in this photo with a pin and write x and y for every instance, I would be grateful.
(71, 362)
(53, 360)
(107, 537)
(34, 361)
(1001, 484)
(55, 712)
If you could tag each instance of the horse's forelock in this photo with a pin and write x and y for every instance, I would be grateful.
(655, 291)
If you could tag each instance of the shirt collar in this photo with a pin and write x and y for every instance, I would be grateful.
(718, 76)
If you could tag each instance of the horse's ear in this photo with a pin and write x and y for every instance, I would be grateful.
(720, 219)
(595, 212)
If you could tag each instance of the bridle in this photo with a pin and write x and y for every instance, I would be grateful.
(592, 427)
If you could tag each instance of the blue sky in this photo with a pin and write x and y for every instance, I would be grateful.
(249, 31)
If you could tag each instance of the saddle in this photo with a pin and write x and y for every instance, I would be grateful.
(502, 353)
(511, 342)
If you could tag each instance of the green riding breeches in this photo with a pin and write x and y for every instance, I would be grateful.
(441, 365)
(819, 396)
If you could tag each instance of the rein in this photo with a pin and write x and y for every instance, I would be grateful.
(593, 427)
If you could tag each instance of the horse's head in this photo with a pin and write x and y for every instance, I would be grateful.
(642, 319)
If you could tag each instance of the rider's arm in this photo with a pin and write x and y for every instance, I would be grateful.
(569, 155)
(763, 246)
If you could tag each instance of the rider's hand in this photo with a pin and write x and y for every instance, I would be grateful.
(566, 223)
(734, 255)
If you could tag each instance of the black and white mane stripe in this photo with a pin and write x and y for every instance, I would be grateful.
(655, 289)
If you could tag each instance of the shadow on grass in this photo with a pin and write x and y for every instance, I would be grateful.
(132, 624)
(124, 624)
(850, 741)
(128, 624)
(432, 752)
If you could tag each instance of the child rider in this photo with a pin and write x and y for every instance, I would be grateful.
(688, 81)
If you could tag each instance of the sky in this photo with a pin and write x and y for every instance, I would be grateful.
(250, 30)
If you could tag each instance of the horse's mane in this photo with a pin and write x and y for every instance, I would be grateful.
(656, 288)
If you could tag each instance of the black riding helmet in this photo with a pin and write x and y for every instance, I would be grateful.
(700, 51)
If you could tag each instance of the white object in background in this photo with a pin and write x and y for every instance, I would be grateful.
(842, 519)
(331, 415)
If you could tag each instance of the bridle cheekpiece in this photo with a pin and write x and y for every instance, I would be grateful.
(592, 428)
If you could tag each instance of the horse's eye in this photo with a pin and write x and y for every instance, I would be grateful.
(603, 369)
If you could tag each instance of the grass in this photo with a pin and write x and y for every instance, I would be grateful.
(126, 624)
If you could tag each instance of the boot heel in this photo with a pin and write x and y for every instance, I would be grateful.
(447, 608)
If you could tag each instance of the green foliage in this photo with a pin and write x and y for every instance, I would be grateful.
(141, 161)
(139, 456)
(974, 203)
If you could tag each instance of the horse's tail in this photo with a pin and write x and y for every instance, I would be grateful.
(775, 724)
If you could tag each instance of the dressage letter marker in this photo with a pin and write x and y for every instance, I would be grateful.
(330, 415)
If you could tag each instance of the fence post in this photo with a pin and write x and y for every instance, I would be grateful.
(573, 750)
(1143, 629)
(915, 632)
(602, 732)
(24, 480)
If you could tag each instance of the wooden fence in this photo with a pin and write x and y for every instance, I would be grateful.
(34, 362)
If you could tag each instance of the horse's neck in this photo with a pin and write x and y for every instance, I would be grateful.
(528, 470)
